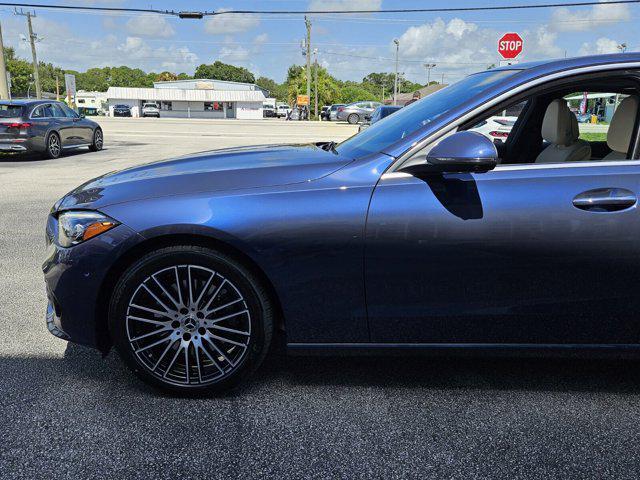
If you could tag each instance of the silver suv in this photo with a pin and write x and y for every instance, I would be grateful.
(355, 112)
(150, 110)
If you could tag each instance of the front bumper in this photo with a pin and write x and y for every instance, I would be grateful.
(74, 279)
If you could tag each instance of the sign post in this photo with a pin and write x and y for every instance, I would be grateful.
(70, 87)
(510, 46)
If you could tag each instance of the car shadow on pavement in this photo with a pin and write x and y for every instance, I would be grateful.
(39, 158)
(416, 372)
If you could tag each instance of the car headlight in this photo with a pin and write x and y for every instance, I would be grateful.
(77, 226)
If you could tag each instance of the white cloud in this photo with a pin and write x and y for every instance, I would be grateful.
(456, 43)
(230, 23)
(234, 54)
(601, 46)
(261, 39)
(150, 25)
(565, 20)
(345, 5)
(63, 47)
(541, 44)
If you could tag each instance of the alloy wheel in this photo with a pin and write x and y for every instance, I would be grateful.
(54, 145)
(188, 325)
(97, 141)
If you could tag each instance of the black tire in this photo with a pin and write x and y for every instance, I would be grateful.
(53, 146)
(241, 281)
(353, 118)
(98, 140)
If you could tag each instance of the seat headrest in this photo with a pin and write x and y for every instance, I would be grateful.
(560, 125)
(622, 123)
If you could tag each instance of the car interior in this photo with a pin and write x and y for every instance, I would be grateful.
(547, 130)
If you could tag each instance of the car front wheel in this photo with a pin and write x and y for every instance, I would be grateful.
(98, 140)
(190, 320)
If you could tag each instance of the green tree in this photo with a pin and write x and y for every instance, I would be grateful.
(166, 77)
(276, 90)
(224, 71)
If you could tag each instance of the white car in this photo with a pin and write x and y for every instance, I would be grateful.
(282, 110)
(496, 129)
(150, 110)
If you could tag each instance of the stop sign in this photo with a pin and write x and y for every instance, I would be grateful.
(510, 45)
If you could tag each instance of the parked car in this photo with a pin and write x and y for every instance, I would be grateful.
(333, 111)
(121, 111)
(324, 113)
(496, 129)
(150, 110)
(282, 110)
(416, 235)
(355, 112)
(378, 114)
(47, 127)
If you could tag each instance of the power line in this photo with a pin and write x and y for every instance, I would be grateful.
(421, 10)
(198, 15)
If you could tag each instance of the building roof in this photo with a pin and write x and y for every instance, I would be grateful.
(184, 95)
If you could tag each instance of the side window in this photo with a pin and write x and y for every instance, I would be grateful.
(68, 112)
(498, 126)
(38, 112)
(47, 111)
(57, 111)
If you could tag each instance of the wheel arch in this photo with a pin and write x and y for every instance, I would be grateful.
(103, 338)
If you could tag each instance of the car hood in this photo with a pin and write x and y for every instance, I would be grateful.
(227, 169)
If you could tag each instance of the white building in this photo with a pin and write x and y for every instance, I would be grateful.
(197, 98)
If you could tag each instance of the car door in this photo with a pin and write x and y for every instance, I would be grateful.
(82, 129)
(61, 123)
(523, 254)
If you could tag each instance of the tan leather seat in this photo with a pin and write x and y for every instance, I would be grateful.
(560, 128)
(621, 128)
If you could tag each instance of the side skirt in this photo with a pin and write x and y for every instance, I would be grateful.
(466, 349)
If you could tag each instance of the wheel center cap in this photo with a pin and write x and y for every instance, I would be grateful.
(190, 324)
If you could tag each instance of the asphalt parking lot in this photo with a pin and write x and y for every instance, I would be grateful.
(65, 412)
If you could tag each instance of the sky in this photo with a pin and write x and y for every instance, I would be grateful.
(350, 46)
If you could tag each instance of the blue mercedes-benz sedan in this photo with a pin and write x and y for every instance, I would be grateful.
(418, 234)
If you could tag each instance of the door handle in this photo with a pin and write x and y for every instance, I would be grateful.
(605, 200)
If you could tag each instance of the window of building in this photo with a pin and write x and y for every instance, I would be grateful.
(166, 106)
(213, 106)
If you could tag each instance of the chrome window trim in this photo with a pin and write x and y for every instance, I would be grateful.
(534, 166)
(31, 117)
(419, 145)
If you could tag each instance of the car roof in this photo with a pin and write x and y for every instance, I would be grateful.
(549, 66)
(25, 101)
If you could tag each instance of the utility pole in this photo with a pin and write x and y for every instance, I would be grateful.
(4, 87)
(307, 23)
(57, 88)
(32, 40)
(442, 82)
(395, 80)
(315, 81)
(429, 66)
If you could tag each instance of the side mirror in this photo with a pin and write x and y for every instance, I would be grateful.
(462, 152)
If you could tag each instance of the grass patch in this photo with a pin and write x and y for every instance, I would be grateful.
(594, 136)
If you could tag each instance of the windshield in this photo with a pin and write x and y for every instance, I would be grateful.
(412, 117)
